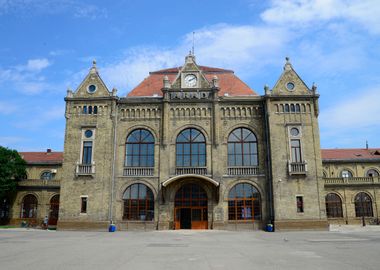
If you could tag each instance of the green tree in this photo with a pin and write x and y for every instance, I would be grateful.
(12, 169)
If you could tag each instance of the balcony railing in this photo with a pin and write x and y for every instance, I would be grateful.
(39, 182)
(138, 171)
(85, 169)
(297, 167)
(243, 170)
(191, 170)
(352, 180)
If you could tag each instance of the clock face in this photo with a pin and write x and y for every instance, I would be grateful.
(190, 80)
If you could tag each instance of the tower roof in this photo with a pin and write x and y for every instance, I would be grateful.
(229, 83)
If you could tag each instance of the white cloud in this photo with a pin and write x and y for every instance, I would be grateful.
(36, 65)
(41, 117)
(309, 12)
(242, 48)
(78, 9)
(7, 108)
(352, 113)
(26, 78)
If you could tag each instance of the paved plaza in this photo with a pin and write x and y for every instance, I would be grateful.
(36, 249)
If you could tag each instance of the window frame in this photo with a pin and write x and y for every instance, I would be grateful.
(139, 154)
(135, 208)
(34, 209)
(363, 208)
(240, 145)
(238, 206)
(334, 206)
(191, 149)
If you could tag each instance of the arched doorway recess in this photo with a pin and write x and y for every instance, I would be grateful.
(190, 207)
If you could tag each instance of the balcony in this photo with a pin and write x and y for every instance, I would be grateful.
(243, 170)
(85, 169)
(297, 167)
(191, 170)
(39, 183)
(347, 181)
(138, 171)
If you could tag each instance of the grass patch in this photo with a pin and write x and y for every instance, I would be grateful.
(9, 226)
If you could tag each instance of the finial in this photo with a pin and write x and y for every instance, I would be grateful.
(288, 65)
(215, 81)
(266, 89)
(366, 144)
(93, 68)
(94, 63)
(69, 93)
(166, 82)
(314, 87)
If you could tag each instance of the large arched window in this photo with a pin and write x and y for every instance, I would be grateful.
(191, 149)
(244, 203)
(363, 205)
(333, 206)
(138, 203)
(29, 207)
(140, 149)
(242, 148)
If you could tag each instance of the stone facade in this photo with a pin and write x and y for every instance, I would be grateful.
(193, 186)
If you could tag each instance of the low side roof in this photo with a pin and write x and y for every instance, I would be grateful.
(229, 83)
(42, 157)
(350, 154)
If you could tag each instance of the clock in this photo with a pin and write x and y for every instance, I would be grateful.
(190, 80)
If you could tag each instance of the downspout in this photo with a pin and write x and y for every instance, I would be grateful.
(110, 217)
(269, 176)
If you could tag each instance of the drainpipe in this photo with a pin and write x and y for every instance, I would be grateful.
(269, 175)
(110, 217)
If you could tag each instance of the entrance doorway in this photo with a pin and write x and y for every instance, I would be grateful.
(54, 210)
(190, 210)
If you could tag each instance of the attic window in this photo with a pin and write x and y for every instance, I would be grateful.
(377, 153)
(91, 88)
(290, 86)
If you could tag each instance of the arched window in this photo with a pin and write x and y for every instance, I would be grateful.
(242, 148)
(191, 149)
(292, 108)
(298, 108)
(346, 174)
(139, 149)
(95, 109)
(89, 109)
(138, 203)
(372, 173)
(47, 175)
(286, 108)
(4, 209)
(333, 206)
(84, 109)
(29, 207)
(363, 205)
(54, 210)
(244, 203)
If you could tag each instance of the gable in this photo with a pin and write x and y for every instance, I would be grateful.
(92, 85)
(290, 83)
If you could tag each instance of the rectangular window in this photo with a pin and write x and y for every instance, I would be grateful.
(299, 200)
(87, 152)
(296, 151)
(83, 205)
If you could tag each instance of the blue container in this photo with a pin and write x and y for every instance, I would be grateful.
(269, 227)
(112, 228)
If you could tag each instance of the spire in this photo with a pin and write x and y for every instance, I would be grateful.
(288, 65)
(190, 58)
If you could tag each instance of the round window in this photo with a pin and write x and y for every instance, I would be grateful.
(88, 133)
(290, 86)
(92, 88)
(294, 131)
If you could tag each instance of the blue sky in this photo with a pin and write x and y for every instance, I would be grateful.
(47, 47)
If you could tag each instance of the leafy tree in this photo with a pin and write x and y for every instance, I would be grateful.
(12, 169)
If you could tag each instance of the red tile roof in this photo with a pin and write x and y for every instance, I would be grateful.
(228, 82)
(350, 154)
(42, 157)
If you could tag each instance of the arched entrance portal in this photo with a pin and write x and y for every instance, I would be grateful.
(190, 207)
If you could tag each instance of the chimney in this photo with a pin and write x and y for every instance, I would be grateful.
(48, 150)
(366, 145)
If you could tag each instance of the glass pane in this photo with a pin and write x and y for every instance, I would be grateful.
(239, 160)
(202, 148)
(253, 148)
(194, 160)
(196, 215)
(194, 149)
(231, 148)
(239, 191)
(246, 149)
(202, 161)
(179, 161)
(246, 160)
(179, 149)
(238, 149)
(134, 191)
(186, 149)
(186, 161)
(231, 160)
